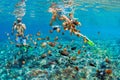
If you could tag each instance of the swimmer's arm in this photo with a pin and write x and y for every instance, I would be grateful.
(13, 29)
(24, 26)
(14, 26)
(80, 24)
(67, 19)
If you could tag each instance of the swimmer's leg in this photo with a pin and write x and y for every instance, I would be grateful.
(86, 40)
(18, 41)
(24, 42)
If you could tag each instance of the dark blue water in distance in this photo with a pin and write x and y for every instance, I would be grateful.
(100, 23)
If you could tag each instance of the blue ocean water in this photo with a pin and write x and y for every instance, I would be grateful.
(100, 23)
(106, 21)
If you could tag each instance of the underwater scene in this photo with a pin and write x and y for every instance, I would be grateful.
(59, 39)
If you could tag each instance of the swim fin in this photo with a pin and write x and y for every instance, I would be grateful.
(90, 43)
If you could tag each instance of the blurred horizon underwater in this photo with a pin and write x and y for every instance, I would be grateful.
(58, 55)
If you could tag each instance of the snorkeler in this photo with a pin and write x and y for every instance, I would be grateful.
(68, 24)
(19, 27)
